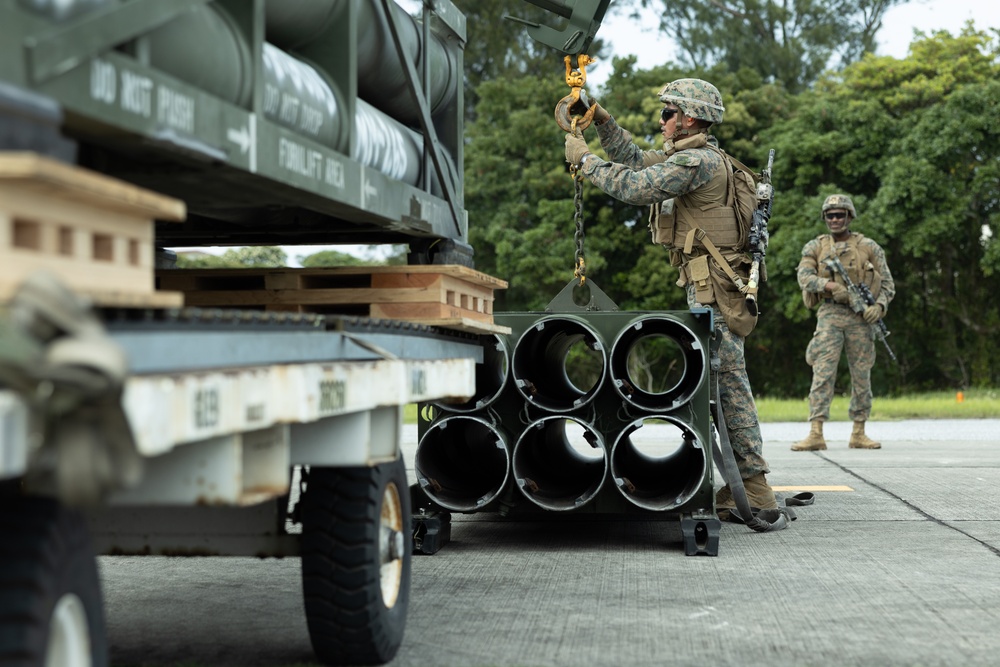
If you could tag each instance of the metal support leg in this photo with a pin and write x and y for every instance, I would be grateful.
(431, 531)
(701, 534)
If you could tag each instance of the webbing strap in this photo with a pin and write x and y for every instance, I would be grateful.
(730, 181)
(699, 233)
(763, 520)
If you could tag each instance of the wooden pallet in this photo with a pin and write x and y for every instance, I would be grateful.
(440, 295)
(92, 231)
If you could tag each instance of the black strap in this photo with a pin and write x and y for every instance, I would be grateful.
(798, 500)
(761, 520)
(801, 499)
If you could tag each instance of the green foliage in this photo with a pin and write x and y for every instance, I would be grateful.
(257, 256)
(975, 404)
(235, 258)
(396, 256)
(656, 364)
(788, 42)
(201, 261)
(915, 143)
(331, 258)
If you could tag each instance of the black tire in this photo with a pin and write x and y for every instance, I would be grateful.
(356, 562)
(50, 592)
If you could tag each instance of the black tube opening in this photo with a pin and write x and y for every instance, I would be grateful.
(462, 463)
(560, 463)
(658, 463)
(559, 364)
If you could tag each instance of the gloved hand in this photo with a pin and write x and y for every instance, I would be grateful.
(839, 294)
(576, 148)
(872, 314)
(600, 113)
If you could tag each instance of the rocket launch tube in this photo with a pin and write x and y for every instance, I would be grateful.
(656, 481)
(690, 355)
(555, 472)
(462, 463)
(491, 376)
(540, 363)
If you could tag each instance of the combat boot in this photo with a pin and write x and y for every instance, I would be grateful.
(759, 495)
(861, 441)
(759, 492)
(724, 502)
(814, 441)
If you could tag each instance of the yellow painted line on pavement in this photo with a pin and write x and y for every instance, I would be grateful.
(812, 488)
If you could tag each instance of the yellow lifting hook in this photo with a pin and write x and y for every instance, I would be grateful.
(572, 112)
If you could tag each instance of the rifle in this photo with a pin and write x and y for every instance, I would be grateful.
(758, 237)
(860, 297)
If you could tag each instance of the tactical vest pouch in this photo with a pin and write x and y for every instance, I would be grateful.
(713, 286)
(662, 219)
(873, 279)
(699, 274)
(732, 302)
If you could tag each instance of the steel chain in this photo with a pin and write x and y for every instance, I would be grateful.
(580, 272)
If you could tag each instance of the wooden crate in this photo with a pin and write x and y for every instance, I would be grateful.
(442, 295)
(94, 232)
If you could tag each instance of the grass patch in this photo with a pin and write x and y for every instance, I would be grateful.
(975, 404)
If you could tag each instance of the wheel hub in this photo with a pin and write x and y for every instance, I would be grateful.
(69, 634)
(391, 545)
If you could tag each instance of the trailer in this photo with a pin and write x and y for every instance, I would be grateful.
(146, 409)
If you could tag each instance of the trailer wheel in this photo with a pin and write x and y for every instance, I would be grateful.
(356, 562)
(50, 592)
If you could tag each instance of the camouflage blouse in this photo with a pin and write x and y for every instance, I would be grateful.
(813, 275)
(640, 177)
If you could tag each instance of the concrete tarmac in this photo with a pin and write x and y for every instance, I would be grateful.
(902, 567)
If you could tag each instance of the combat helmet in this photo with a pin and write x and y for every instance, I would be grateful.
(696, 98)
(840, 201)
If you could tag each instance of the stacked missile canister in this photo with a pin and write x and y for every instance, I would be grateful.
(580, 411)
(310, 95)
(300, 91)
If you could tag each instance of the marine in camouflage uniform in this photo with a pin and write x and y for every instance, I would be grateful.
(690, 166)
(838, 326)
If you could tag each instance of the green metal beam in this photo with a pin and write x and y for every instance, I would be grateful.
(583, 18)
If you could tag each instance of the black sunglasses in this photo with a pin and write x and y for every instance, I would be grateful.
(836, 216)
(667, 114)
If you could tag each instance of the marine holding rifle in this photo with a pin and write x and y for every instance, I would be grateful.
(840, 322)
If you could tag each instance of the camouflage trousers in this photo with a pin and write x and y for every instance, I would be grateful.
(839, 328)
(736, 399)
